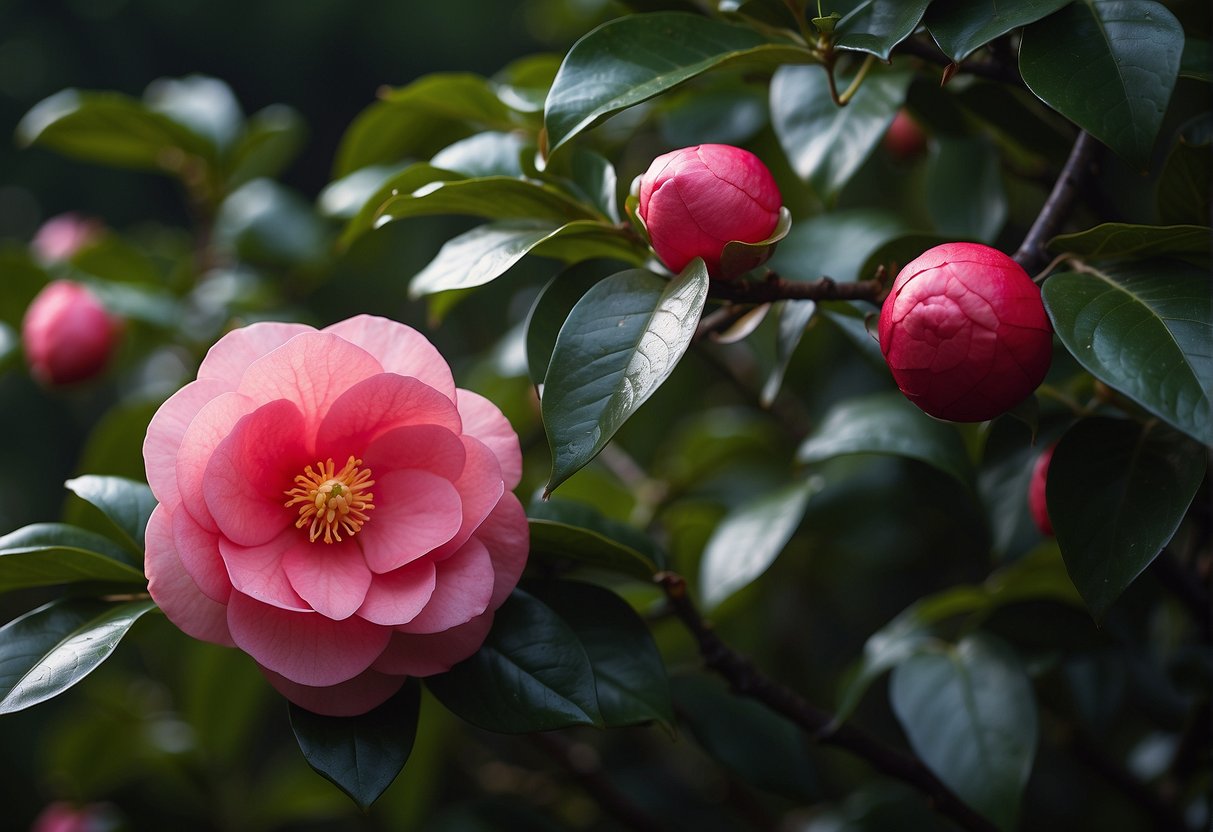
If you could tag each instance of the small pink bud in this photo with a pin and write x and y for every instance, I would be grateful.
(67, 334)
(62, 236)
(1036, 492)
(904, 139)
(695, 200)
(965, 333)
(61, 816)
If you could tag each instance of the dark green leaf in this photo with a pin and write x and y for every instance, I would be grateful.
(962, 26)
(826, 144)
(1109, 66)
(793, 316)
(970, 714)
(204, 106)
(575, 531)
(23, 280)
(531, 674)
(47, 650)
(876, 26)
(1183, 195)
(491, 197)
(1197, 60)
(46, 554)
(554, 303)
(619, 344)
(361, 755)
(1117, 239)
(749, 538)
(272, 139)
(633, 58)
(487, 154)
(730, 112)
(126, 503)
(1144, 329)
(887, 423)
(965, 196)
(835, 245)
(264, 222)
(347, 197)
(1116, 494)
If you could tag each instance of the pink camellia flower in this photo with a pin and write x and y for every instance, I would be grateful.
(332, 505)
(965, 332)
(1036, 492)
(67, 334)
(695, 200)
(62, 236)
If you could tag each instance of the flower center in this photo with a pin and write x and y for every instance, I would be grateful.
(331, 501)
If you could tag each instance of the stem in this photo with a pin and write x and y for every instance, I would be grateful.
(819, 725)
(1032, 254)
(1163, 815)
(853, 88)
(591, 777)
(777, 288)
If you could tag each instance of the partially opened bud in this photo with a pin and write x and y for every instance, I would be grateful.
(62, 236)
(696, 200)
(1036, 492)
(965, 333)
(67, 334)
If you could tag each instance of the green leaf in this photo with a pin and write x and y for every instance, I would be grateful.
(46, 554)
(47, 650)
(23, 280)
(361, 755)
(531, 674)
(1197, 60)
(351, 195)
(962, 26)
(1108, 66)
(204, 106)
(629, 674)
(876, 26)
(1182, 193)
(1116, 493)
(631, 59)
(739, 257)
(965, 195)
(970, 714)
(491, 197)
(272, 139)
(836, 244)
(1118, 239)
(264, 222)
(554, 303)
(792, 318)
(749, 538)
(886, 423)
(484, 155)
(619, 344)
(127, 504)
(826, 144)
(575, 531)
(1144, 329)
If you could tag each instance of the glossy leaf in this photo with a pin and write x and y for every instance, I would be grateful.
(1117, 239)
(482, 155)
(876, 26)
(749, 539)
(531, 674)
(1144, 329)
(826, 144)
(265, 222)
(46, 651)
(965, 195)
(127, 504)
(835, 244)
(491, 197)
(578, 532)
(793, 318)
(970, 714)
(272, 139)
(205, 106)
(629, 674)
(1109, 66)
(962, 26)
(619, 344)
(886, 423)
(361, 755)
(554, 303)
(631, 59)
(46, 554)
(1116, 494)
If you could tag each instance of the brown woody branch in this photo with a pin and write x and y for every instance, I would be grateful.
(592, 778)
(1032, 253)
(777, 288)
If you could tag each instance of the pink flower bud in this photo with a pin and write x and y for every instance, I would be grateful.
(62, 236)
(695, 200)
(965, 333)
(1036, 492)
(68, 335)
(904, 139)
(61, 816)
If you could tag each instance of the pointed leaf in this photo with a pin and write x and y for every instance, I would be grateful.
(565, 529)
(554, 303)
(491, 197)
(619, 344)
(127, 504)
(361, 755)
(1145, 329)
(793, 318)
(962, 26)
(1118, 239)
(46, 651)
(965, 195)
(876, 26)
(46, 554)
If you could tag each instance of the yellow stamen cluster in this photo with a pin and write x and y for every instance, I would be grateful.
(332, 501)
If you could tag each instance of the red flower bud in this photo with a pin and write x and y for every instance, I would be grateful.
(695, 200)
(1036, 492)
(965, 332)
(904, 139)
(68, 335)
(62, 236)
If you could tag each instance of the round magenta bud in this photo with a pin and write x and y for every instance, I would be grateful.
(1036, 492)
(965, 333)
(67, 334)
(695, 200)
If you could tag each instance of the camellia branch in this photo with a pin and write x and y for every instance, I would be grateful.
(777, 288)
(1032, 254)
(747, 680)
(592, 778)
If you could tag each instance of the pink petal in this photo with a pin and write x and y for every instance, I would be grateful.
(377, 404)
(312, 370)
(400, 349)
(251, 470)
(174, 590)
(424, 447)
(165, 431)
(507, 536)
(210, 427)
(399, 595)
(304, 647)
(332, 577)
(462, 591)
(350, 698)
(484, 421)
(480, 487)
(257, 571)
(199, 553)
(431, 653)
(415, 511)
(234, 352)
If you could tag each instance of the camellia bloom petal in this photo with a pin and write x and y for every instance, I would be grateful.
(965, 333)
(334, 506)
(696, 200)
(67, 334)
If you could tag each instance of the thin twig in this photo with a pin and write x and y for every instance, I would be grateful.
(1163, 815)
(597, 784)
(777, 288)
(819, 725)
(995, 71)
(1032, 253)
